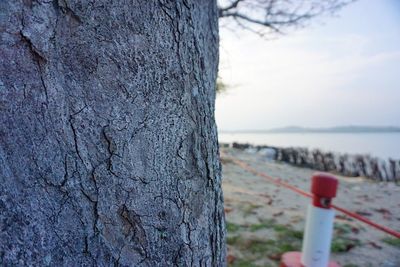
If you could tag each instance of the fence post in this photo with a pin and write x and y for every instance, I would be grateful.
(319, 226)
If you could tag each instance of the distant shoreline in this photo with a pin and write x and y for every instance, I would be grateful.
(382, 144)
(351, 165)
(339, 129)
(310, 132)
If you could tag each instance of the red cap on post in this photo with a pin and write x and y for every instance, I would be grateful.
(324, 187)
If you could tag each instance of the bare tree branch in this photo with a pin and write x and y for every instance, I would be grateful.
(276, 16)
(231, 6)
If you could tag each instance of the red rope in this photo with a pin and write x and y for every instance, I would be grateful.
(279, 182)
(369, 222)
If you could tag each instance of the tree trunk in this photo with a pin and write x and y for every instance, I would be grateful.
(108, 145)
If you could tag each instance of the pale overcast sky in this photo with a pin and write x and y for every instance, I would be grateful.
(342, 70)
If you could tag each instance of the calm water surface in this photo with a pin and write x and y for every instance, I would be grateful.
(383, 145)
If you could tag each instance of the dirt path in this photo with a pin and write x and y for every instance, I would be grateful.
(265, 220)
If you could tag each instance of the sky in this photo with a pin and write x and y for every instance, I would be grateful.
(340, 70)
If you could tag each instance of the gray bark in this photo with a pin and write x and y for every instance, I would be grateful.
(108, 145)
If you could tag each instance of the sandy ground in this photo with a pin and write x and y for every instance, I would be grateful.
(251, 200)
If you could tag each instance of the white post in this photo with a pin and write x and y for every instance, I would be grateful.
(319, 225)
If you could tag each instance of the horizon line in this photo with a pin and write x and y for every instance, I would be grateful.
(345, 128)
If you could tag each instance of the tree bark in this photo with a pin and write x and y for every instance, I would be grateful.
(108, 144)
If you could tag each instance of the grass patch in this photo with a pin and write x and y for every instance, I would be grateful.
(242, 263)
(297, 234)
(343, 244)
(232, 240)
(392, 241)
(262, 225)
(269, 247)
(280, 228)
(260, 246)
(288, 232)
(285, 247)
(255, 247)
(341, 241)
(338, 245)
(341, 228)
(249, 208)
(350, 265)
(232, 227)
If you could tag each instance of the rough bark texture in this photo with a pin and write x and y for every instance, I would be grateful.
(108, 145)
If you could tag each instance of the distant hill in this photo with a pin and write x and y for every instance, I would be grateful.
(338, 129)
